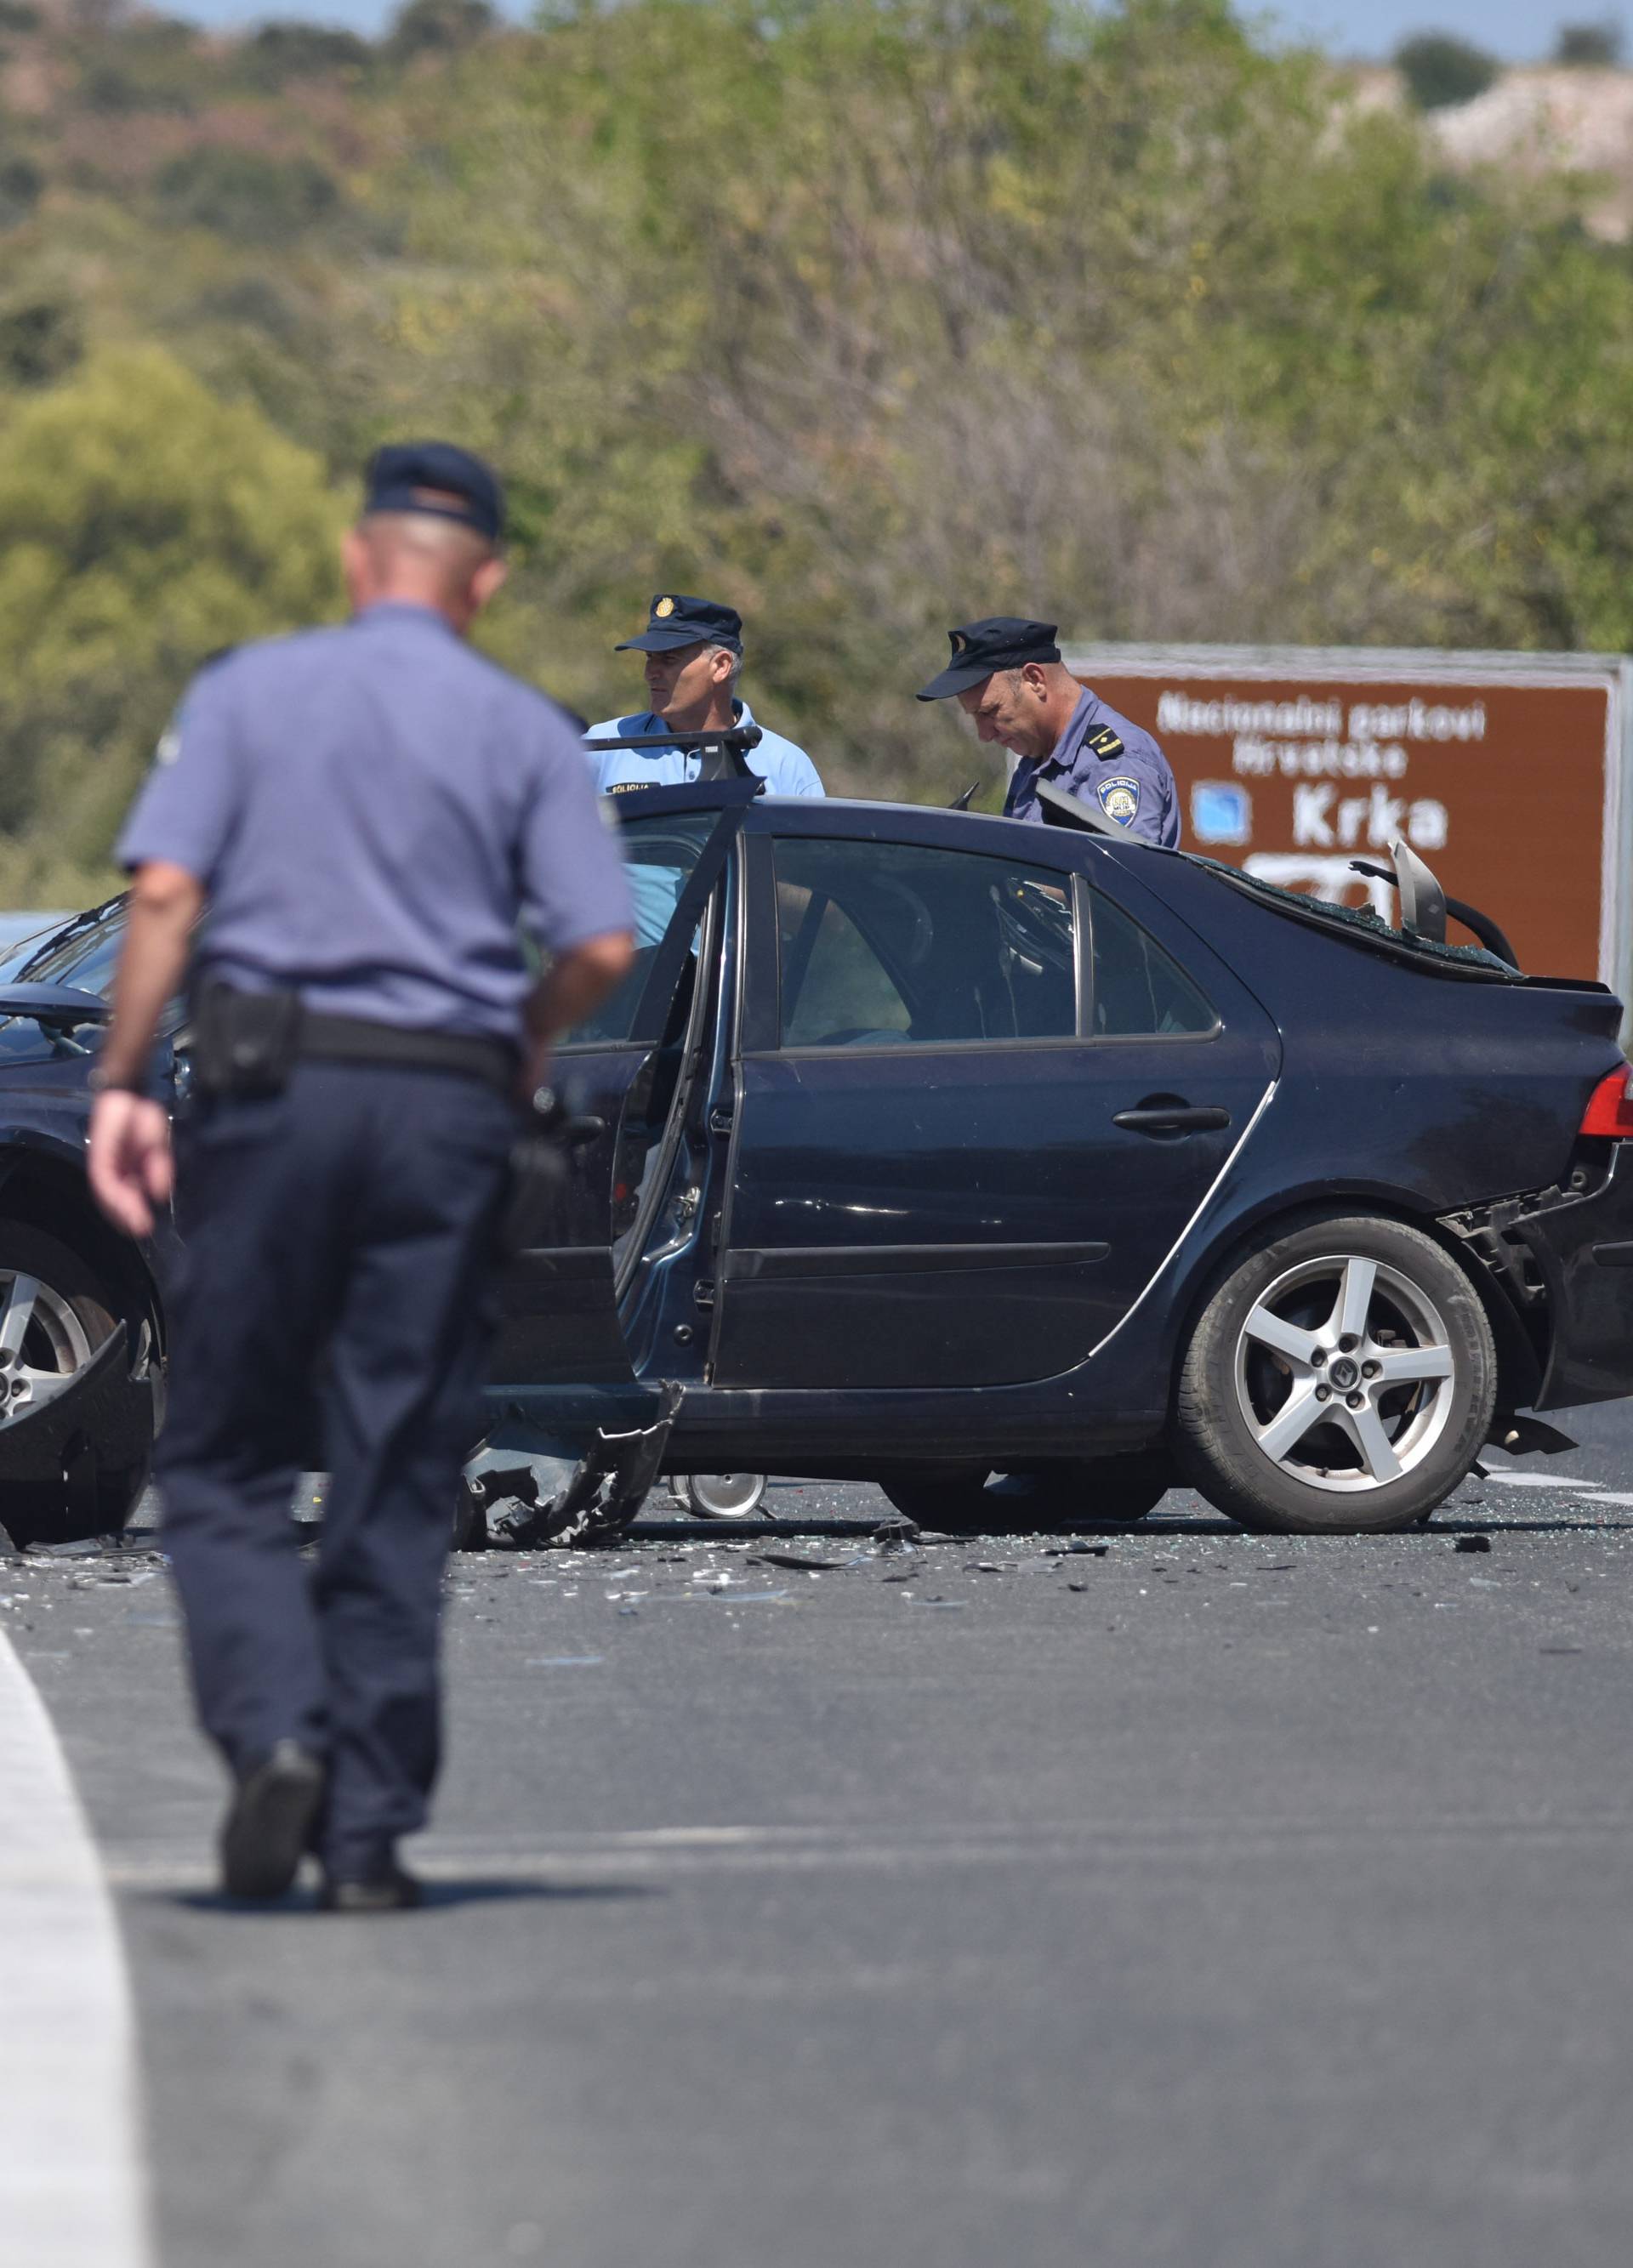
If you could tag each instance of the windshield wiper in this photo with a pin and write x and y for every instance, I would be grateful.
(89, 919)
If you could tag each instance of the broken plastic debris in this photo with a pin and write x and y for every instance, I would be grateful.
(1473, 1543)
(899, 1534)
(798, 1559)
(1091, 1551)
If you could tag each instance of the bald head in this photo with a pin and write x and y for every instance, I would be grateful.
(421, 559)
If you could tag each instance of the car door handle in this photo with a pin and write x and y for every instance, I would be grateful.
(574, 1131)
(1174, 1118)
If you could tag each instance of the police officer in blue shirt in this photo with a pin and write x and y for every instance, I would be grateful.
(366, 813)
(1008, 675)
(694, 655)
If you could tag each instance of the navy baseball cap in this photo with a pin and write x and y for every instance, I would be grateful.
(999, 642)
(676, 620)
(437, 478)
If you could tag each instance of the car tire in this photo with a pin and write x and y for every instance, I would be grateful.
(71, 1314)
(1340, 1380)
(1118, 1490)
(952, 1498)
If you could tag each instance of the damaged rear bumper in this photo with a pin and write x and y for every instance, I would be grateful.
(1566, 1261)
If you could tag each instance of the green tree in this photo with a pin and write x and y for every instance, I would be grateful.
(21, 181)
(1590, 45)
(872, 316)
(438, 27)
(246, 195)
(143, 524)
(1440, 70)
(274, 53)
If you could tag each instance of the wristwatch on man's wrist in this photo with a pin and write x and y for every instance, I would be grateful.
(101, 1082)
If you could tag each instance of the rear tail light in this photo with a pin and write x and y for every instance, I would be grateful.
(1610, 1106)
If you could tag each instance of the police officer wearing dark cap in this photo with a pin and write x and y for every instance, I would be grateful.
(1008, 675)
(693, 650)
(370, 814)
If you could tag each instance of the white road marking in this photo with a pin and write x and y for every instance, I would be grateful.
(1545, 1480)
(669, 1854)
(71, 2190)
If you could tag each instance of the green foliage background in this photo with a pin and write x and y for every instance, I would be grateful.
(867, 317)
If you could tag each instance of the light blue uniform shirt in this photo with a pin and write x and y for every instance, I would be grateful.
(373, 811)
(785, 768)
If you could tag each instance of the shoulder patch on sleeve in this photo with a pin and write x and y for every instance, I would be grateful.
(1119, 797)
(1103, 743)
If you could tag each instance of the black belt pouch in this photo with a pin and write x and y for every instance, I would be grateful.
(244, 1043)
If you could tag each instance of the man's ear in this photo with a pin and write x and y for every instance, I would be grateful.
(720, 665)
(1036, 678)
(488, 581)
(354, 566)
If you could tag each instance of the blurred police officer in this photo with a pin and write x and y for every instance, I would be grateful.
(1008, 675)
(694, 657)
(367, 812)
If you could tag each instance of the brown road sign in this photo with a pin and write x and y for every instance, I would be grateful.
(1507, 771)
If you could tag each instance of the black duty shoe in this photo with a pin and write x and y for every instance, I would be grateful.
(270, 1822)
(392, 1890)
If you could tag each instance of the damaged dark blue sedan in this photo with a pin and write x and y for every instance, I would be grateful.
(1022, 1171)
(925, 1149)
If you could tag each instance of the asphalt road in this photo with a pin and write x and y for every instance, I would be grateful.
(1207, 1902)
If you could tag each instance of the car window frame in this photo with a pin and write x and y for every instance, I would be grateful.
(1085, 891)
(761, 1009)
(759, 996)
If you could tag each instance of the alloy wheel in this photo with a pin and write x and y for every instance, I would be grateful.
(43, 1344)
(1345, 1373)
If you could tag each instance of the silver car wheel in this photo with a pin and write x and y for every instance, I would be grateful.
(43, 1344)
(1345, 1373)
(723, 1496)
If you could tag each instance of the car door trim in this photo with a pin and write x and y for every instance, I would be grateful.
(785, 1261)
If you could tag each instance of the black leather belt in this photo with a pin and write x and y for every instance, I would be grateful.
(354, 1039)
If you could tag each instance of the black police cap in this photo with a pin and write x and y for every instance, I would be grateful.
(999, 642)
(437, 478)
(676, 620)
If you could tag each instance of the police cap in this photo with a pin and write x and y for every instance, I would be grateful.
(676, 620)
(437, 478)
(999, 642)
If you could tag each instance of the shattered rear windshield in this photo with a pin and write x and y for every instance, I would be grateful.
(1361, 921)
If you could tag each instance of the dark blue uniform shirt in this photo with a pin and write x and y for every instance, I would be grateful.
(1104, 759)
(373, 810)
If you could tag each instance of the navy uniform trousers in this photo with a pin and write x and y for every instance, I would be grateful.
(341, 1230)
